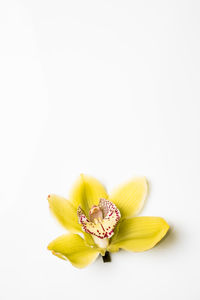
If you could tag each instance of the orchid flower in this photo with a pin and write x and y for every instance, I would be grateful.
(100, 224)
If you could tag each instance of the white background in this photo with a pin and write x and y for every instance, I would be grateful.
(111, 89)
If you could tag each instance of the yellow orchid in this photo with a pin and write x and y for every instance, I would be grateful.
(99, 224)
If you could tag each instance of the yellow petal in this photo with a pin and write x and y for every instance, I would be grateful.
(130, 197)
(73, 248)
(139, 234)
(87, 192)
(88, 239)
(65, 213)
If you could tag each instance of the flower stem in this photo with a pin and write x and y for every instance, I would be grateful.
(106, 257)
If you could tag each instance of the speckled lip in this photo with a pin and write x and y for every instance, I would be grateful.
(103, 219)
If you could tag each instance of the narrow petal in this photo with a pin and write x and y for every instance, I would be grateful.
(130, 197)
(89, 240)
(65, 213)
(73, 248)
(87, 192)
(139, 234)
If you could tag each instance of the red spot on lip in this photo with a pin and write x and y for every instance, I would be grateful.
(49, 196)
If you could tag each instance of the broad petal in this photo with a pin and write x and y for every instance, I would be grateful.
(139, 234)
(73, 248)
(65, 213)
(86, 192)
(130, 197)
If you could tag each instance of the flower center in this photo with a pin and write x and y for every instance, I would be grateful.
(95, 214)
(102, 219)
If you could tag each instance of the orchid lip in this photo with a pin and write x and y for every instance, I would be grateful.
(102, 219)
